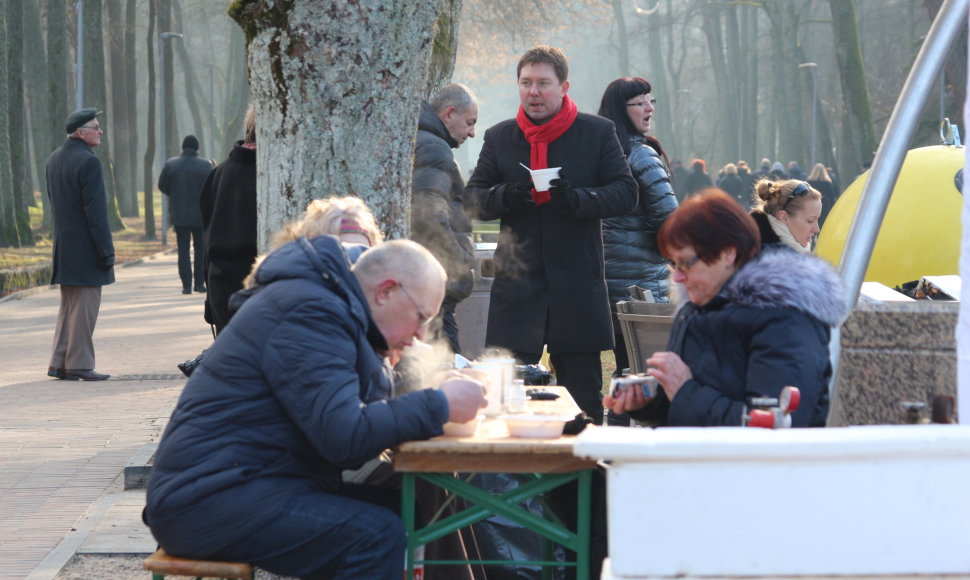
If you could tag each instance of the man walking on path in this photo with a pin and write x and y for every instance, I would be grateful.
(181, 180)
(438, 219)
(84, 254)
(549, 286)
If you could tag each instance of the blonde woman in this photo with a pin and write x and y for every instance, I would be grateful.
(347, 217)
(787, 212)
(820, 179)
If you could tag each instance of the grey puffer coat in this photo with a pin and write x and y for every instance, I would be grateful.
(769, 327)
(630, 241)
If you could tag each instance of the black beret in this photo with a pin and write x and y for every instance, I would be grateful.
(80, 117)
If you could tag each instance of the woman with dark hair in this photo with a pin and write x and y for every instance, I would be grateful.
(755, 321)
(630, 241)
(698, 178)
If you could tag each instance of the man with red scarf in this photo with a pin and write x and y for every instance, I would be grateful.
(549, 287)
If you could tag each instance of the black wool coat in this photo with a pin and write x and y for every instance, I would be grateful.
(228, 205)
(83, 250)
(181, 180)
(549, 285)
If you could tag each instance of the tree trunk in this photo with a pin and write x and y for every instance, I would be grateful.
(726, 110)
(859, 140)
(320, 73)
(37, 84)
(787, 104)
(148, 181)
(121, 129)
(445, 46)
(57, 59)
(96, 95)
(191, 83)
(622, 39)
(8, 220)
(131, 98)
(237, 98)
(749, 85)
(23, 190)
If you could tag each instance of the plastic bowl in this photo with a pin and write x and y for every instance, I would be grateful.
(535, 426)
(463, 429)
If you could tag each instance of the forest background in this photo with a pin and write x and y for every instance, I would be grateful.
(788, 80)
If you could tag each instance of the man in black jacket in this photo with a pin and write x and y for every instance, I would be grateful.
(438, 219)
(84, 253)
(181, 180)
(549, 287)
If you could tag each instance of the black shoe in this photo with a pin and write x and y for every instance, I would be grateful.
(200, 288)
(189, 366)
(56, 373)
(186, 290)
(84, 375)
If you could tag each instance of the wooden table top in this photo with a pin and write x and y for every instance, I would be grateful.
(491, 449)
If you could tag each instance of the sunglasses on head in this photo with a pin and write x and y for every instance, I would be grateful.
(800, 189)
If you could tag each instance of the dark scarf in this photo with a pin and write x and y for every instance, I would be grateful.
(540, 136)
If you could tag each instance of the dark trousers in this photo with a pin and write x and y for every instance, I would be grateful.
(582, 375)
(446, 327)
(220, 289)
(183, 236)
(316, 535)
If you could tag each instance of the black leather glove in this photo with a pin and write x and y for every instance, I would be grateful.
(518, 195)
(106, 262)
(562, 195)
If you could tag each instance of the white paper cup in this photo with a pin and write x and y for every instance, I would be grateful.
(542, 177)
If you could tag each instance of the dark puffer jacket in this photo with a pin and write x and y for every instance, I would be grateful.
(630, 241)
(769, 327)
(438, 219)
(286, 398)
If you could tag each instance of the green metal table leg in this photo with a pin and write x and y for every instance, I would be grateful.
(407, 514)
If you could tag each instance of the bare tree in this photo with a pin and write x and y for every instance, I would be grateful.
(148, 181)
(121, 129)
(858, 132)
(8, 217)
(23, 191)
(337, 86)
(37, 85)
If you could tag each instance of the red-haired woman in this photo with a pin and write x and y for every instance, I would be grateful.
(754, 321)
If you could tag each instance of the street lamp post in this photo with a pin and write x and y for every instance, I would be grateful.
(163, 137)
(812, 66)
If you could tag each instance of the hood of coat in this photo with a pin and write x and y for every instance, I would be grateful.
(429, 121)
(780, 277)
(321, 259)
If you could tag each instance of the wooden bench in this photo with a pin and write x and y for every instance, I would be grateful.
(161, 564)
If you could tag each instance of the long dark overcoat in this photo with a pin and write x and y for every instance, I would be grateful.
(83, 248)
(549, 286)
(181, 180)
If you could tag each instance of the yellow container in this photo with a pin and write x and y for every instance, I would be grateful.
(921, 231)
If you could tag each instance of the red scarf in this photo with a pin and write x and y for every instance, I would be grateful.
(540, 136)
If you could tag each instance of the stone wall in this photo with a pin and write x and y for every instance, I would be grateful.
(17, 279)
(894, 352)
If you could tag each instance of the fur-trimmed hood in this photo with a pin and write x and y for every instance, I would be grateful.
(781, 277)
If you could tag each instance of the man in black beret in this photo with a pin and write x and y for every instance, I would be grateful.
(181, 180)
(84, 254)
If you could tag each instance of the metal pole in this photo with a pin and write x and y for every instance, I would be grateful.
(950, 20)
(811, 66)
(79, 93)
